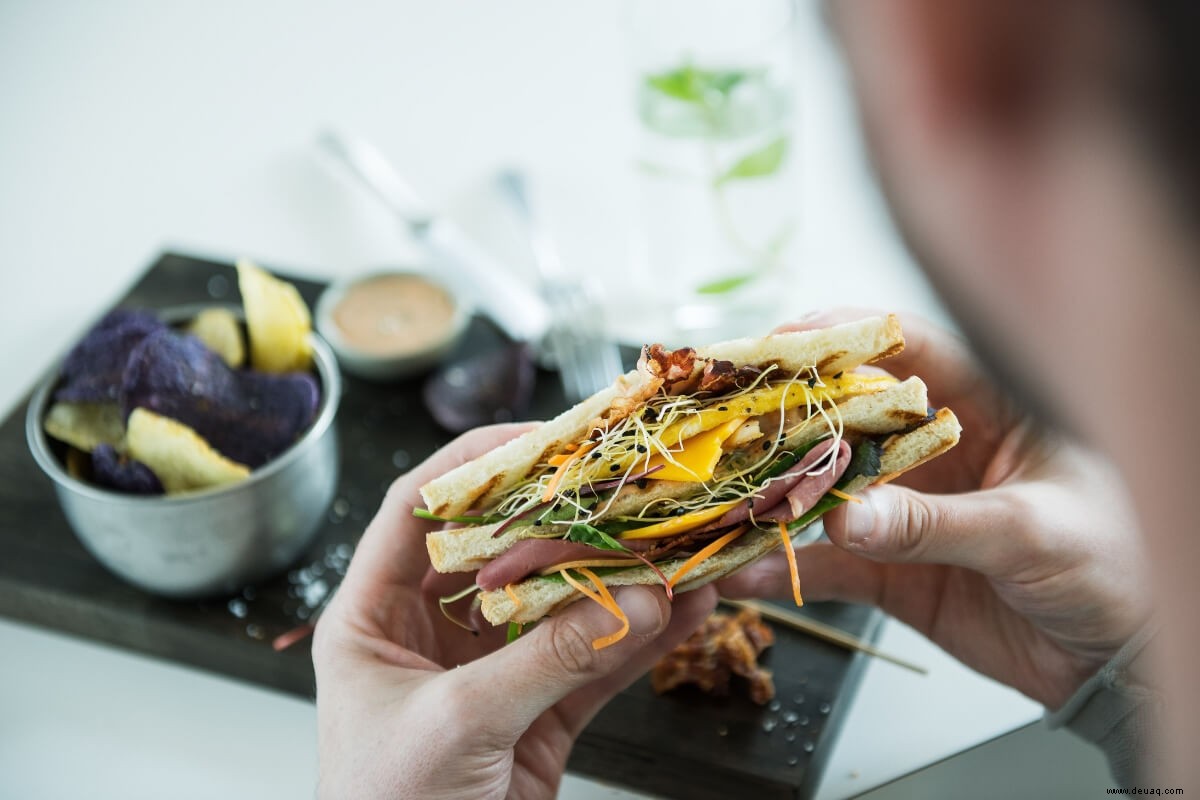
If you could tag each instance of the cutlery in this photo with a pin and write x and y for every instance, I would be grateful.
(586, 358)
(472, 273)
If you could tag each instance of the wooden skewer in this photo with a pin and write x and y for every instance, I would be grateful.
(821, 631)
(301, 632)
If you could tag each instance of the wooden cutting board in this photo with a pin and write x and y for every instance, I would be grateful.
(681, 745)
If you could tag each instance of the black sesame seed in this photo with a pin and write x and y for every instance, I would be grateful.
(766, 445)
(749, 409)
(641, 483)
(838, 376)
(679, 512)
(641, 448)
(537, 522)
(614, 468)
(812, 382)
(722, 408)
(596, 454)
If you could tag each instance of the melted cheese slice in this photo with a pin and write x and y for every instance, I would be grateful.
(680, 524)
(773, 398)
(695, 442)
(698, 458)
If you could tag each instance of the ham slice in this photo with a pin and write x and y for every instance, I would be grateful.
(530, 555)
(793, 480)
(804, 494)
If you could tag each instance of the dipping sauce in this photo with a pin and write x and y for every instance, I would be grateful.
(394, 314)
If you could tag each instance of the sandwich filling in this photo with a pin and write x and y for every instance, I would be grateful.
(703, 452)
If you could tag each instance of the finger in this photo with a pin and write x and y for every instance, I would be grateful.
(908, 592)
(942, 359)
(826, 573)
(688, 611)
(517, 683)
(895, 524)
(823, 318)
(393, 547)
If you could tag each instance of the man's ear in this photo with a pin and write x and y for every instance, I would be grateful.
(990, 63)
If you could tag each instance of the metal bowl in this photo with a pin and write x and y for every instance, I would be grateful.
(214, 541)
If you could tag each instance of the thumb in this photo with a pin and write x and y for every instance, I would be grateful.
(897, 524)
(517, 683)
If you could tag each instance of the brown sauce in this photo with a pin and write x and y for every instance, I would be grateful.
(394, 314)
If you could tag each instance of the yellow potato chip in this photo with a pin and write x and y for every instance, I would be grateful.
(85, 425)
(180, 458)
(277, 320)
(78, 464)
(220, 331)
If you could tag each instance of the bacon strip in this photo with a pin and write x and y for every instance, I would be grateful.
(724, 646)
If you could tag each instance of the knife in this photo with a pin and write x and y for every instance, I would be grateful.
(468, 268)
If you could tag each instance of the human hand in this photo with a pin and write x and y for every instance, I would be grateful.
(1016, 551)
(410, 705)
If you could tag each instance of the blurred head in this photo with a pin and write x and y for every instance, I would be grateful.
(1040, 157)
(1028, 150)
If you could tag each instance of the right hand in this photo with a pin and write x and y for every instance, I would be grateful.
(1016, 552)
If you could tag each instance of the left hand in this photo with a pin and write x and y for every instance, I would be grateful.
(410, 705)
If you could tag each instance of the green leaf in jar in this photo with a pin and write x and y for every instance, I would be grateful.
(694, 85)
(759, 163)
(726, 284)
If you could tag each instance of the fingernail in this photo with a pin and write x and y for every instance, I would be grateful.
(860, 522)
(643, 609)
(809, 316)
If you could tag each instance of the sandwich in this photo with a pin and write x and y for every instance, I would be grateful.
(688, 468)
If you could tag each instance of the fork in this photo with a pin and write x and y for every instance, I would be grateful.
(586, 358)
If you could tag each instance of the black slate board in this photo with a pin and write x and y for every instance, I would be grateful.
(682, 745)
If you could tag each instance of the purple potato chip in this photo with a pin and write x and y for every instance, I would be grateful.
(249, 417)
(114, 471)
(482, 389)
(91, 372)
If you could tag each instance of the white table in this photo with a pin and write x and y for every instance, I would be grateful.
(132, 126)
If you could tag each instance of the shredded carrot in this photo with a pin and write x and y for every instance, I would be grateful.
(605, 600)
(558, 460)
(709, 551)
(791, 559)
(508, 590)
(548, 495)
(590, 562)
(613, 638)
(844, 496)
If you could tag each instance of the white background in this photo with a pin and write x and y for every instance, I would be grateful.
(128, 127)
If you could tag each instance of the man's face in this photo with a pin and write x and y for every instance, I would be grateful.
(1025, 210)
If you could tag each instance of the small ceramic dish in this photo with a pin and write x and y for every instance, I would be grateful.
(391, 323)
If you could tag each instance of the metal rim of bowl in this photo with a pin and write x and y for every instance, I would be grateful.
(39, 445)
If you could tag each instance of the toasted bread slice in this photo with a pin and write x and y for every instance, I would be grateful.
(539, 597)
(831, 350)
